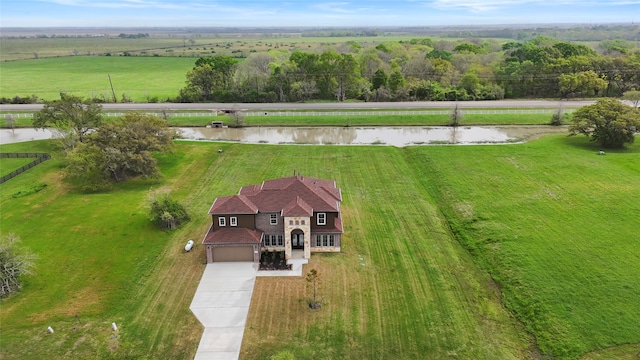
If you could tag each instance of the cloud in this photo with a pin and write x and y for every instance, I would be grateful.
(490, 5)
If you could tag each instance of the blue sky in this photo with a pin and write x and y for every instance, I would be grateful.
(251, 13)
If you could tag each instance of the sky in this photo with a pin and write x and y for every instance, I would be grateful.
(296, 13)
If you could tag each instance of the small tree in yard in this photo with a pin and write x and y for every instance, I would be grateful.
(608, 122)
(313, 281)
(14, 263)
(166, 212)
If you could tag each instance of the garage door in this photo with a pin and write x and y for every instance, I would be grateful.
(233, 253)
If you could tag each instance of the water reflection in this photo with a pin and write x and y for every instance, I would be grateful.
(393, 136)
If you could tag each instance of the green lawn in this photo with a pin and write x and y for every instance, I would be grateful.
(139, 78)
(359, 120)
(7, 165)
(556, 226)
(553, 224)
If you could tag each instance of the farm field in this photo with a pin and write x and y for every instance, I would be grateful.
(138, 79)
(420, 292)
(18, 48)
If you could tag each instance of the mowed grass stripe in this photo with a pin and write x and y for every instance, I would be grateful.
(391, 295)
(557, 229)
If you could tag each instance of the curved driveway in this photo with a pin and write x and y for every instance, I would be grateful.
(503, 104)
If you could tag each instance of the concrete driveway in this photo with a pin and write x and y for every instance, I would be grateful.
(221, 303)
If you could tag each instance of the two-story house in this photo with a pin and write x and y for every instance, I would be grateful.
(289, 214)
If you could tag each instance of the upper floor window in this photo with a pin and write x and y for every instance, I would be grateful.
(274, 219)
(233, 221)
(222, 221)
(321, 218)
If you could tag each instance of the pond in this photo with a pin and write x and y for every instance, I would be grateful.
(391, 136)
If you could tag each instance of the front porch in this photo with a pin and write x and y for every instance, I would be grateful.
(296, 261)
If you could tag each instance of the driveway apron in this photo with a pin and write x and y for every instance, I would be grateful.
(221, 304)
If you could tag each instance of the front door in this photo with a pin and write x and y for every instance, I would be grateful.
(297, 240)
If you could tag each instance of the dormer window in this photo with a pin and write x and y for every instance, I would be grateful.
(321, 218)
(274, 219)
(233, 221)
(222, 221)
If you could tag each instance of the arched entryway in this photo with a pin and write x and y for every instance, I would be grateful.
(297, 239)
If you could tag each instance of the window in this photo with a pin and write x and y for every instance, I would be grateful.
(322, 218)
(302, 222)
(297, 222)
(273, 240)
(222, 221)
(274, 219)
(290, 222)
(325, 241)
(233, 221)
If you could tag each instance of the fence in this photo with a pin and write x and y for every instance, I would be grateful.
(335, 113)
(39, 157)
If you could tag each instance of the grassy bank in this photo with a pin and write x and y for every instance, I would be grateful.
(552, 222)
(139, 79)
(360, 120)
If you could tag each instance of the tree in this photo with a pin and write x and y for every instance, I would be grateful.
(608, 122)
(456, 116)
(120, 149)
(380, 79)
(201, 82)
(14, 262)
(223, 65)
(633, 96)
(237, 116)
(313, 281)
(69, 114)
(585, 83)
(166, 212)
(558, 118)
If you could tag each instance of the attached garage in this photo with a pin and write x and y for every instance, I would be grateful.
(233, 244)
(232, 253)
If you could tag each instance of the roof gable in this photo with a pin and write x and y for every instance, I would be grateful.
(235, 204)
(298, 207)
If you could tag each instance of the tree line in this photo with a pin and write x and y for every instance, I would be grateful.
(418, 70)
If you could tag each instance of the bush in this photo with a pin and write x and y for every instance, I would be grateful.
(14, 263)
(166, 212)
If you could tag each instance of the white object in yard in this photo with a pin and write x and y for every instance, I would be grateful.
(50, 330)
(601, 152)
(114, 326)
(188, 246)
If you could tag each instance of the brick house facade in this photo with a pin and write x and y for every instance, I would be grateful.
(286, 214)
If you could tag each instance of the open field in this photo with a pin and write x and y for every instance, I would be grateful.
(556, 226)
(172, 45)
(139, 79)
(419, 294)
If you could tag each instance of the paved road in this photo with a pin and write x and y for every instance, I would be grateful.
(505, 104)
